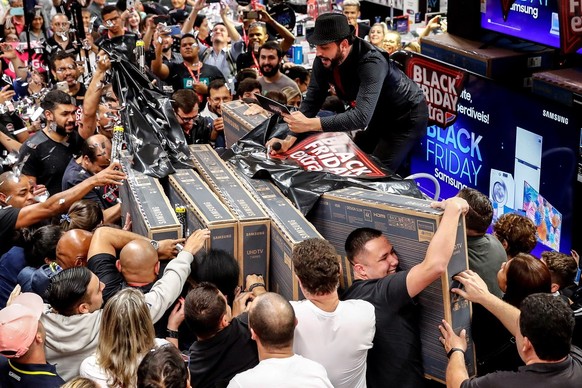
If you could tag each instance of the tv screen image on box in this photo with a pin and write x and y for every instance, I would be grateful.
(536, 21)
(547, 219)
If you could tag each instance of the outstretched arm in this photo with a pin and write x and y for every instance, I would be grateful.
(60, 202)
(440, 249)
(475, 290)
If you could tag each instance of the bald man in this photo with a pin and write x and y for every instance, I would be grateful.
(138, 261)
(272, 323)
(73, 247)
(19, 209)
(95, 156)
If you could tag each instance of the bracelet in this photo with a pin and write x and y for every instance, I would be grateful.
(453, 350)
(172, 333)
(255, 285)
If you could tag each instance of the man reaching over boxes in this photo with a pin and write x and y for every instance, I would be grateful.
(395, 356)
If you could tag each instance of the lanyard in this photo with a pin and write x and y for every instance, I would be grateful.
(256, 63)
(197, 79)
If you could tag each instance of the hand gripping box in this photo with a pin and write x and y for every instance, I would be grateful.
(253, 223)
(204, 210)
(288, 228)
(236, 123)
(409, 224)
(143, 198)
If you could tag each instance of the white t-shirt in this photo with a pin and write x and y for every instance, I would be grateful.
(92, 370)
(290, 372)
(338, 340)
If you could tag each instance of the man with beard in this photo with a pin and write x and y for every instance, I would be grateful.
(383, 100)
(46, 154)
(258, 35)
(270, 56)
(218, 94)
(64, 68)
(191, 73)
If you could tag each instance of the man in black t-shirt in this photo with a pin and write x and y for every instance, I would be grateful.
(224, 346)
(542, 328)
(191, 74)
(46, 154)
(395, 358)
(116, 40)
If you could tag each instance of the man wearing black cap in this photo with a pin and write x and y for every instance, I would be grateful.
(384, 101)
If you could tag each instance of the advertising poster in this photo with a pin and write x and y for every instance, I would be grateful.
(520, 150)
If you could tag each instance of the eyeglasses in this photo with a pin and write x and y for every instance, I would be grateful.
(187, 119)
(63, 69)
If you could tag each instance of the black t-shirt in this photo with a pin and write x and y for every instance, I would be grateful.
(51, 47)
(8, 218)
(48, 159)
(395, 358)
(123, 45)
(75, 174)
(80, 96)
(563, 374)
(180, 77)
(103, 265)
(215, 361)
(246, 61)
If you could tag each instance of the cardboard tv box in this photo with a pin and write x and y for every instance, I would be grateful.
(236, 123)
(143, 198)
(563, 86)
(503, 64)
(409, 224)
(204, 210)
(288, 228)
(252, 221)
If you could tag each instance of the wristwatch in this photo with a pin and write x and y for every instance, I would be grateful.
(155, 244)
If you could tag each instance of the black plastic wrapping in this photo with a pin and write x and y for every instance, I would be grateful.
(303, 187)
(152, 132)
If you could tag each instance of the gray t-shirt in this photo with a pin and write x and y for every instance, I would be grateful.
(486, 254)
(278, 85)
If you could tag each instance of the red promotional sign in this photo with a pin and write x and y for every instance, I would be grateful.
(570, 25)
(332, 152)
(442, 87)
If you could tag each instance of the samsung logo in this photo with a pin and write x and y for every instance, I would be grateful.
(555, 117)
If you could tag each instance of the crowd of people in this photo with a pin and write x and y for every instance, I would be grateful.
(85, 302)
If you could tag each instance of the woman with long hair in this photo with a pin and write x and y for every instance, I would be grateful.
(126, 335)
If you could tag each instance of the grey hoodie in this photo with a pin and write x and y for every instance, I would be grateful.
(69, 340)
